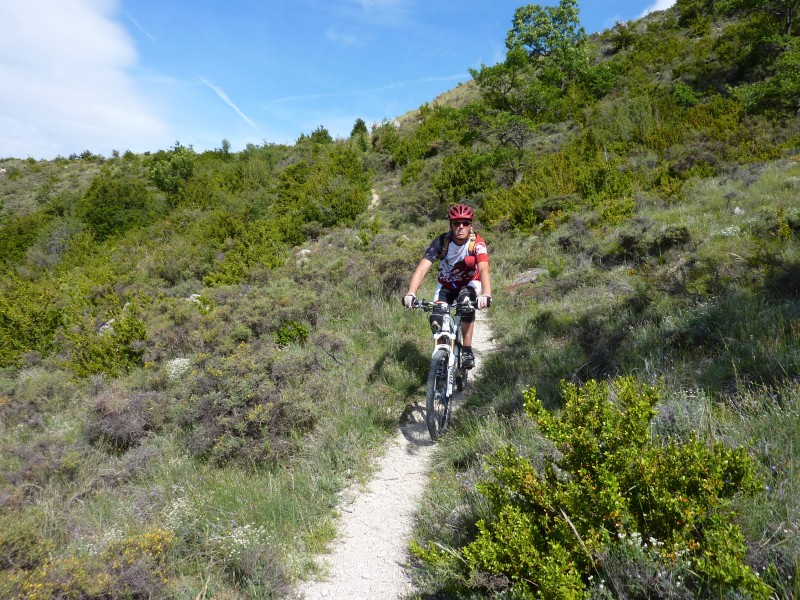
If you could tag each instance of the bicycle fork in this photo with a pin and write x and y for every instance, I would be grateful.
(446, 341)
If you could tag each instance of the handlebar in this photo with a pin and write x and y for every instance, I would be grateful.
(428, 306)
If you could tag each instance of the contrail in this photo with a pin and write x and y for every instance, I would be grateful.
(383, 88)
(224, 97)
(139, 27)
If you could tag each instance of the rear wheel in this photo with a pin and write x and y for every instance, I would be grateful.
(436, 400)
(461, 376)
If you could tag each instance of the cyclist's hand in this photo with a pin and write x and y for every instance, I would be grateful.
(409, 300)
(484, 301)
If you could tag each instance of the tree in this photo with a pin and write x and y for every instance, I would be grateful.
(552, 33)
(781, 90)
(321, 136)
(359, 128)
(547, 30)
(693, 13)
(509, 135)
(171, 170)
(784, 11)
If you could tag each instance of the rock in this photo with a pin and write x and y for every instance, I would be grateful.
(302, 257)
(528, 276)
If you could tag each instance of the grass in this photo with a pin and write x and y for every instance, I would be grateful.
(702, 318)
(240, 530)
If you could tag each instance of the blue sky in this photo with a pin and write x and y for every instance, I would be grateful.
(139, 75)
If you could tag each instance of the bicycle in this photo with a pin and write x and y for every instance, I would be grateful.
(446, 370)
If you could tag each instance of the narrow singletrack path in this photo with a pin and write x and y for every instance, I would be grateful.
(370, 555)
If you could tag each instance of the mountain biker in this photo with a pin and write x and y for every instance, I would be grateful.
(463, 272)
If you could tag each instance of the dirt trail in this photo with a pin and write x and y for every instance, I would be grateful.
(369, 557)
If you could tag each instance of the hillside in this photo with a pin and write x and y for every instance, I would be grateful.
(200, 351)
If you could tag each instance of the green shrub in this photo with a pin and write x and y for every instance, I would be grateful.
(609, 191)
(114, 204)
(261, 244)
(685, 95)
(291, 332)
(170, 171)
(463, 176)
(240, 415)
(548, 187)
(22, 544)
(29, 316)
(385, 139)
(440, 127)
(111, 345)
(412, 172)
(359, 128)
(609, 481)
(18, 233)
(331, 188)
(780, 91)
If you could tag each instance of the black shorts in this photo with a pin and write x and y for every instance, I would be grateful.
(450, 296)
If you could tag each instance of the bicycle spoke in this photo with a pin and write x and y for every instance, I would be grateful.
(436, 397)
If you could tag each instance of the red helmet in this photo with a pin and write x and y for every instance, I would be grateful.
(460, 211)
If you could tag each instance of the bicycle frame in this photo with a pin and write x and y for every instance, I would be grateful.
(446, 371)
(448, 338)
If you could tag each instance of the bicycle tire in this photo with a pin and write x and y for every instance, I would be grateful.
(437, 409)
(461, 377)
(461, 372)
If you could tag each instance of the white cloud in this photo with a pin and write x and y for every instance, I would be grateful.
(658, 5)
(65, 86)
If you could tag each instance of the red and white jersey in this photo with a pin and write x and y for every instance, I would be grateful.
(460, 266)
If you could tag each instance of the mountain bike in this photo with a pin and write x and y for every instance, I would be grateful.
(446, 371)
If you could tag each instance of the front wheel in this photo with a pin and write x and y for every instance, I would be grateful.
(436, 400)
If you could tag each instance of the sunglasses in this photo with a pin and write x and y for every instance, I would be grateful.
(460, 223)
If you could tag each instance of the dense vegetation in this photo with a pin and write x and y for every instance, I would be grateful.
(199, 350)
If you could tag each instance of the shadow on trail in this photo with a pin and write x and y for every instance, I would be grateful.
(414, 428)
(410, 360)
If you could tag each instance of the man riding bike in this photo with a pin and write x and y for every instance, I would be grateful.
(463, 272)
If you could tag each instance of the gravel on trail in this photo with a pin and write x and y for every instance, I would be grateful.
(369, 558)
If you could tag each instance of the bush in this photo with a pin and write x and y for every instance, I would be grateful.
(291, 332)
(22, 544)
(114, 204)
(170, 171)
(112, 347)
(29, 317)
(240, 414)
(120, 420)
(609, 482)
(260, 244)
(18, 233)
(462, 176)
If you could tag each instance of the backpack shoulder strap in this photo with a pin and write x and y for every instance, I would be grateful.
(445, 245)
(470, 247)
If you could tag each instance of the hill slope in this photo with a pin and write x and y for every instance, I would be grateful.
(200, 351)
